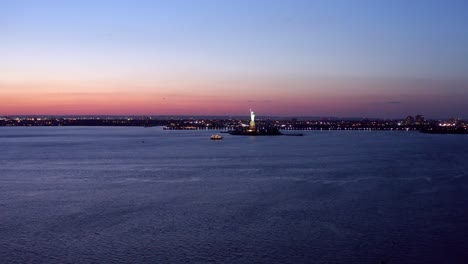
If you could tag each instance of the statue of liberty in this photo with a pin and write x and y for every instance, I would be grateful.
(252, 120)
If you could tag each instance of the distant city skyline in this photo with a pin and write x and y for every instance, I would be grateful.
(382, 59)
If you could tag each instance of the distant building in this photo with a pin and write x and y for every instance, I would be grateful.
(408, 121)
(419, 120)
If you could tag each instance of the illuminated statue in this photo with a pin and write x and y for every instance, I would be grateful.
(252, 120)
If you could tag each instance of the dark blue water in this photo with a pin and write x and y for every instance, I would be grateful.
(144, 195)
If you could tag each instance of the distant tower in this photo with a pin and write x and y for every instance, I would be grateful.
(252, 120)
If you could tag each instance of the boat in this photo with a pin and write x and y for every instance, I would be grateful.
(216, 137)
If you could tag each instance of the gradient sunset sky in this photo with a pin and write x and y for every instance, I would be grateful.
(361, 58)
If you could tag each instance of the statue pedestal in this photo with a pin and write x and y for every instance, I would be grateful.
(252, 126)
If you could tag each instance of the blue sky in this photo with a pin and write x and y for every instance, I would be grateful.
(253, 51)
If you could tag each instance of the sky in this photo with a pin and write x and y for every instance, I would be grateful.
(342, 58)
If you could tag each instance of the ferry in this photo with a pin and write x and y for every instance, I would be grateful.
(216, 137)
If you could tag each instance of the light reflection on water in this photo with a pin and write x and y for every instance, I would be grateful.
(136, 195)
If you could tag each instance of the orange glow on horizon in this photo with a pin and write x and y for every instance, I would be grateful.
(320, 98)
(154, 104)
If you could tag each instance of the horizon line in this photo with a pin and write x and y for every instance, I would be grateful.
(224, 116)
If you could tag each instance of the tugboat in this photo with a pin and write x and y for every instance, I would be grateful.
(216, 137)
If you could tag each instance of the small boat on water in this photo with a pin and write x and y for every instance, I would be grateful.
(216, 137)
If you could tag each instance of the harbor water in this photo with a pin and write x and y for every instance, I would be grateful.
(148, 195)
